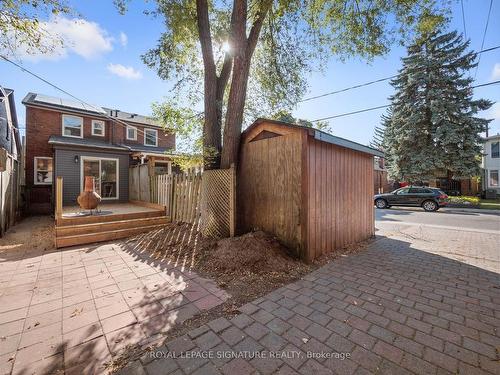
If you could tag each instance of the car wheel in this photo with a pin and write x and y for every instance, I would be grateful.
(381, 203)
(430, 206)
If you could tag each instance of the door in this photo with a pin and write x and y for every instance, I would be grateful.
(105, 173)
(91, 168)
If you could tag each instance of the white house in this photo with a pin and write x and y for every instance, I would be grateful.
(491, 163)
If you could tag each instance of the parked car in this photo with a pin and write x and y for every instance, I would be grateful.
(430, 199)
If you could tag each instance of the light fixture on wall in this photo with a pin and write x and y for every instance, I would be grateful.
(76, 159)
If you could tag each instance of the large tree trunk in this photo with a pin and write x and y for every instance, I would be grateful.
(234, 115)
(211, 127)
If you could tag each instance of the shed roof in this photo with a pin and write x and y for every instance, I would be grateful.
(320, 136)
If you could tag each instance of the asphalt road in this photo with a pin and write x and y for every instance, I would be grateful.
(446, 218)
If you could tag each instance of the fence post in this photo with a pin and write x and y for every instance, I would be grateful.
(232, 202)
(59, 198)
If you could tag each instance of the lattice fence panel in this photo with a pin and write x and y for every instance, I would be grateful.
(218, 203)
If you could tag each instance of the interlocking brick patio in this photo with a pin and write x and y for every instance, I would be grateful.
(394, 309)
(70, 310)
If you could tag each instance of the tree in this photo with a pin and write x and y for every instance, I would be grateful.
(286, 116)
(433, 124)
(19, 25)
(269, 47)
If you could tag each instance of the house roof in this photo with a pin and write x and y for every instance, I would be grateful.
(52, 102)
(58, 140)
(146, 149)
(321, 136)
(491, 137)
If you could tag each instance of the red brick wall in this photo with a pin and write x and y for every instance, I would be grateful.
(164, 139)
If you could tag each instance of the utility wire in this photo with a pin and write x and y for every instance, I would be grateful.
(117, 120)
(375, 81)
(484, 36)
(388, 105)
(463, 18)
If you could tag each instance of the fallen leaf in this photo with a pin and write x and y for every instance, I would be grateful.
(76, 312)
(305, 340)
(37, 324)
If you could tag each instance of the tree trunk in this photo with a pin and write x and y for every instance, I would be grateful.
(211, 128)
(234, 115)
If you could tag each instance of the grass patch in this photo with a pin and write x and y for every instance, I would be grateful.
(475, 202)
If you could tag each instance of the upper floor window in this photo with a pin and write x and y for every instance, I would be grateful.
(150, 137)
(43, 170)
(72, 126)
(495, 150)
(98, 128)
(131, 133)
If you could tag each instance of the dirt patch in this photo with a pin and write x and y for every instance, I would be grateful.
(31, 233)
(247, 267)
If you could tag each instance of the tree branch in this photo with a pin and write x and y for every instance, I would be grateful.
(203, 22)
(253, 37)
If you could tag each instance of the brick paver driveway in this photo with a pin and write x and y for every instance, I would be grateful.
(70, 310)
(391, 309)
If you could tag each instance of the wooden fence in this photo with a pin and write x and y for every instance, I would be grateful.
(206, 200)
(139, 183)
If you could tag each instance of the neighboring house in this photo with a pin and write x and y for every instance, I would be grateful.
(381, 182)
(10, 161)
(72, 140)
(491, 163)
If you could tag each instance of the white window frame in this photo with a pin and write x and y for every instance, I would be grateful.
(489, 178)
(82, 158)
(156, 137)
(35, 170)
(100, 122)
(135, 133)
(81, 127)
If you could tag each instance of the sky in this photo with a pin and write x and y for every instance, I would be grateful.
(102, 65)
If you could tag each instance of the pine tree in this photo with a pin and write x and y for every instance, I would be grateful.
(432, 123)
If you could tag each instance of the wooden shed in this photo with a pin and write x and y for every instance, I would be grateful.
(312, 190)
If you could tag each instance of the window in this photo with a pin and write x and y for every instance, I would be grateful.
(43, 171)
(98, 128)
(72, 126)
(495, 150)
(105, 173)
(150, 137)
(131, 133)
(419, 191)
(494, 178)
(403, 191)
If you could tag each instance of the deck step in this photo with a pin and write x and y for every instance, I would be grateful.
(97, 219)
(73, 230)
(81, 239)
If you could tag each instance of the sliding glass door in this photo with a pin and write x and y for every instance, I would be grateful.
(105, 173)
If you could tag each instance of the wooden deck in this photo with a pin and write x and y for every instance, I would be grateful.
(112, 221)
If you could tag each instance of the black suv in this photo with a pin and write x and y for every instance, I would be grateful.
(430, 199)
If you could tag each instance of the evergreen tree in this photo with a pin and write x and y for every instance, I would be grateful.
(432, 123)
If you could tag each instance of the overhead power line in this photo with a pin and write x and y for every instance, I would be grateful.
(463, 18)
(117, 120)
(484, 35)
(375, 81)
(387, 105)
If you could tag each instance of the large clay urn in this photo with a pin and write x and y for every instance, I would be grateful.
(88, 199)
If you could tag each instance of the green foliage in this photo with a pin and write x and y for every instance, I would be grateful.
(433, 125)
(286, 116)
(20, 25)
(296, 38)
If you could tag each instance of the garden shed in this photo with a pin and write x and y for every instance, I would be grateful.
(312, 190)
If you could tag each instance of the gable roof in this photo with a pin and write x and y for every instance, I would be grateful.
(320, 136)
(52, 102)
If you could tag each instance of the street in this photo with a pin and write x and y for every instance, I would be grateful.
(466, 236)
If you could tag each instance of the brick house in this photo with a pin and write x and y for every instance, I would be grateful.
(69, 139)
